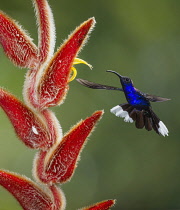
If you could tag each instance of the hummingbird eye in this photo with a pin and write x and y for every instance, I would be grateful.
(126, 79)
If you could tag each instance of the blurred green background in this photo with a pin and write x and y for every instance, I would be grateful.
(139, 39)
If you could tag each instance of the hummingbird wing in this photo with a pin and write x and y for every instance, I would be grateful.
(154, 98)
(93, 85)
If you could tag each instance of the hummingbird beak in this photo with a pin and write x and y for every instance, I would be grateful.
(114, 72)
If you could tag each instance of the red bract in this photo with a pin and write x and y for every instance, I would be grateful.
(28, 125)
(17, 45)
(29, 195)
(104, 205)
(54, 82)
(46, 84)
(58, 165)
(46, 35)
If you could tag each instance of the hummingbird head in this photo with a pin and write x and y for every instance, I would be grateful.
(124, 80)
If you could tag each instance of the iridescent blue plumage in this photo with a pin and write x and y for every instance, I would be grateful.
(133, 96)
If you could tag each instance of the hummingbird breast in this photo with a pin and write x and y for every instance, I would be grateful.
(134, 97)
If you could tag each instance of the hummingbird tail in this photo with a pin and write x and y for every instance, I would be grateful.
(142, 118)
(158, 125)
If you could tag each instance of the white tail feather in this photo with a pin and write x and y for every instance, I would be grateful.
(163, 129)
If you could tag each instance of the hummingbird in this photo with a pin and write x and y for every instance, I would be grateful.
(137, 109)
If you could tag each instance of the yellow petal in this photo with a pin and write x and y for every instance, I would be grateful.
(78, 61)
(74, 71)
(74, 74)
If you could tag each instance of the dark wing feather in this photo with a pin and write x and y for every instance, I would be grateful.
(133, 114)
(93, 85)
(125, 106)
(148, 123)
(154, 98)
(155, 121)
(139, 119)
(143, 118)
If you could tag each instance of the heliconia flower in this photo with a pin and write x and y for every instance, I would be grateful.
(58, 164)
(29, 195)
(49, 87)
(47, 80)
(103, 205)
(46, 84)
